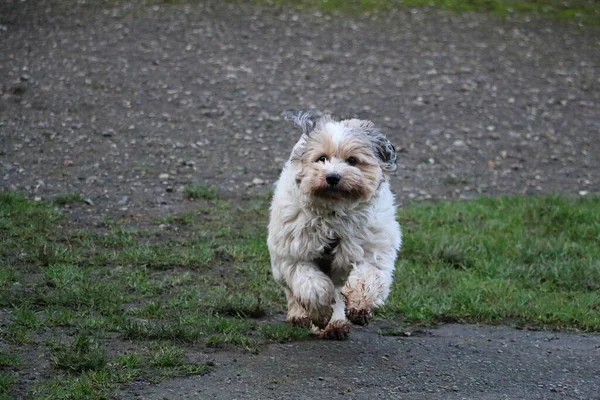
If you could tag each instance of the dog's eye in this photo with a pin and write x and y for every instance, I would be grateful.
(352, 161)
(321, 159)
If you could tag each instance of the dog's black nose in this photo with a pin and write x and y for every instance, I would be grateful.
(333, 179)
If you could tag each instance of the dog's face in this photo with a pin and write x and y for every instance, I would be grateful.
(340, 161)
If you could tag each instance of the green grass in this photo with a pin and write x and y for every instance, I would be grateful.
(168, 356)
(172, 331)
(84, 354)
(243, 305)
(201, 191)
(283, 332)
(76, 296)
(8, 359)
(89, 385)
(518, 260)
(68, 198)
(587, 11)
(7, 379)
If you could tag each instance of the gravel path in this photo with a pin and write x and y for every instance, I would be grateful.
(454, 362)
(128, 103)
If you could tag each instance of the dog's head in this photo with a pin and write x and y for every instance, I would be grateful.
(340, 160)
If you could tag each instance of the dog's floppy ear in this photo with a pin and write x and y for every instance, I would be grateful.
(306, 120)
(385, 150)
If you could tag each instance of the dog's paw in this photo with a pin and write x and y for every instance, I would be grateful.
(301, 322)
(336, 330)
(320, 315)
(317, 297)
(360, 317)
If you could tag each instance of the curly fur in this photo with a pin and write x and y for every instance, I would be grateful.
(333, 247)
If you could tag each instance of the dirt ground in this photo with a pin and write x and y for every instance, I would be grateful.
(128, 103)
(450, 363)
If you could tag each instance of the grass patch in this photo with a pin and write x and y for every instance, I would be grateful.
(161, 331)
(242, 305)
(89, 385)
(25, 317)
(230, 331)
(236, 339)
(201, 191)
(16, 334)
(84, 354)
(283, 332)
(520, 260)
(168, 356)
(128, 361)
(7, 379)
(59, 317)
(586, 11)
(9, 360)
(68, 199)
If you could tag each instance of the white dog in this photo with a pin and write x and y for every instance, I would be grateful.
(333, 234)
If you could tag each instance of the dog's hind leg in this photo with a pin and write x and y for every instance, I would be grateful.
(367, 288)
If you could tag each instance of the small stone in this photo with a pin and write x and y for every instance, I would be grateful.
(583, 192)
(37, 198)
(258, 181)
(123, 200)
(88, 201)
(163, 176)
(169, 189)
(68, 163)
(459, 143)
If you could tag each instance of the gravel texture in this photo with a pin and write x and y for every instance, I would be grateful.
(454, 362)
(127, 103)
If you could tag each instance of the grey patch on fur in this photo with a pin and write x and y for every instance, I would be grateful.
(384, 149)
(305, 119)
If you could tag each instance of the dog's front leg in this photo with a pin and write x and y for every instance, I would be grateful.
(313, 290)
(338, 327)
(367, 288)
(296, 314)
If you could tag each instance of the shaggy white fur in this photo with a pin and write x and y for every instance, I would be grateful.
(333, 235)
